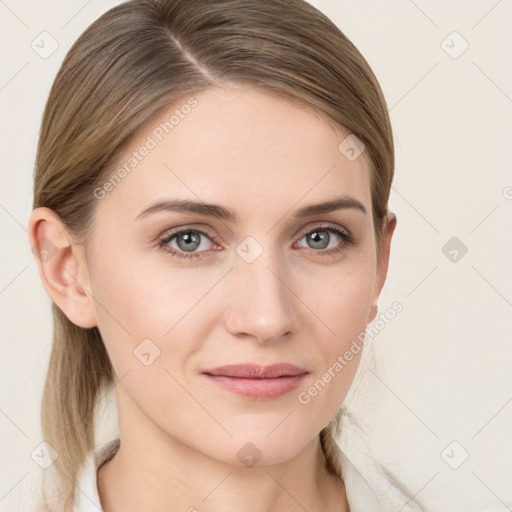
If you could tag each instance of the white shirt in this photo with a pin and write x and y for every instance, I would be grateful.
(360, 496)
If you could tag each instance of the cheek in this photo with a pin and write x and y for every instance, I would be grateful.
(140, 299)
(343, 296)
(342, 307)
(151, 324)
(348, 302)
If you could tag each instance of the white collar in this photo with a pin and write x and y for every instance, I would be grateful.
(360, 496)
(87, 497)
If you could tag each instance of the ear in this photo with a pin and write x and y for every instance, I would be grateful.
(62, 266)
(382, 263)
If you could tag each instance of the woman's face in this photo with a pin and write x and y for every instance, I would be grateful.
(274, 283)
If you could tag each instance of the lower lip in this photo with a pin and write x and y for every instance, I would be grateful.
(258, 388)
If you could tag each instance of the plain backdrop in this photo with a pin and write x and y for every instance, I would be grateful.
(444, 420)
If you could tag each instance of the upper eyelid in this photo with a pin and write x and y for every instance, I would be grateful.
(171, 233)
(323, 225)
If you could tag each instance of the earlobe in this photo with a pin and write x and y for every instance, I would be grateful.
(382, 263)
(62, 267)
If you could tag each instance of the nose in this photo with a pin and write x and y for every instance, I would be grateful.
(262, 304)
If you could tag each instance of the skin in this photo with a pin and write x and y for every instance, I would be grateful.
(264, 157)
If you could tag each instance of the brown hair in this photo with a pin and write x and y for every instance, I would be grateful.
(137, 58)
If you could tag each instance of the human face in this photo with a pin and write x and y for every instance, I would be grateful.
(254, 289)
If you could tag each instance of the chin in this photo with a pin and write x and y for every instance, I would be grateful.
(279, 447)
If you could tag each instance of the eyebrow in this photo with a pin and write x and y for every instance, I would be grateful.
(220, 212)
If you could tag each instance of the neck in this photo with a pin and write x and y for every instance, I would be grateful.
(152, 471)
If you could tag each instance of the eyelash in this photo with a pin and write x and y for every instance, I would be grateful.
(348, 241)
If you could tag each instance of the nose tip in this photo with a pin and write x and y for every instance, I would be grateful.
(261, 304)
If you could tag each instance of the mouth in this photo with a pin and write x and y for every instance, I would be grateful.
(254, 381)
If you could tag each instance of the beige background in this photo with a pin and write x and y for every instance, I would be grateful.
(444, 370)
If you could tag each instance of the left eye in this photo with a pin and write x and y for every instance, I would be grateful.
(187, 241)
(320, 238)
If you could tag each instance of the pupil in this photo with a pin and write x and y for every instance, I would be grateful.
(190, 240)
(320, 239)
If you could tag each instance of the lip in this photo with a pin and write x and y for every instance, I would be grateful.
(255, 381)
(255, 371)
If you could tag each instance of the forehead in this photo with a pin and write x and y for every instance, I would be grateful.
(238, 146)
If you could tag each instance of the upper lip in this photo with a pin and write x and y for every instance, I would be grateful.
(255, 371)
